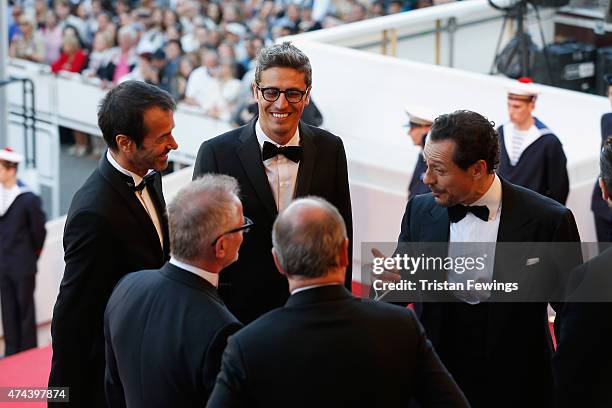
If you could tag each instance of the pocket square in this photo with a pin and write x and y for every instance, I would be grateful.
(532, 261)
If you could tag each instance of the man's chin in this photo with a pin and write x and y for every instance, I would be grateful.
(161, 165)
(442, 202)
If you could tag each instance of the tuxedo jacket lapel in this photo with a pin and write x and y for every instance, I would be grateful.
(307, 163)
(439, 226)
(249, 153)
(117, 181)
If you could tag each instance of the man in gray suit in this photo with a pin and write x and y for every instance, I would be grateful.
(165, 329)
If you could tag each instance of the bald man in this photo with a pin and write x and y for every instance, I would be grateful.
(324, 342)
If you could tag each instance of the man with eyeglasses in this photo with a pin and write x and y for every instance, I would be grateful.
(275, 158)
(165, 329)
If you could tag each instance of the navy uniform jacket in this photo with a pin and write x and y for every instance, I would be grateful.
(417, 186)
(542, 166)
(165, 332)
(598, 205)
(22, 234)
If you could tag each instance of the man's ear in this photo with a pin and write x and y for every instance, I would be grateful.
(479, 169)
(605, 194)
(124, 143)
(343, 257)
(255, 93)
(219, 248)
(277, 262)
(307, 96)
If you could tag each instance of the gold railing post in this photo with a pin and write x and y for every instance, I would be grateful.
(437, 46)
(394, 42)
(383, 47)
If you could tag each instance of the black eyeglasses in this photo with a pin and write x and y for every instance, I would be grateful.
(272, 94)
(244, 228)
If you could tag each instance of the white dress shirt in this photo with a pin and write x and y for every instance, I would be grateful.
(212, 278)
(7, 196)
(298, 290)
(516, 141)
(281, 172)
(143, 196)
(478, 238)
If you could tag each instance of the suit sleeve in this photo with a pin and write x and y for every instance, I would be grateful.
(405, 228)
(399, 249)
(566, 260)
(212, 361)
(36, 220)
(606, 127)
(343, 203)
(435, 386)
(206, 161)
(113, 388)
(231, 387)
(578, 349)
(556, 173)
(77, 324)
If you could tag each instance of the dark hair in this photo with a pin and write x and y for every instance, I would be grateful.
(177, 43)
(76, 34)
(283, 55)
(8, 165)
(122, 110)
(474, 136)
(605, 162)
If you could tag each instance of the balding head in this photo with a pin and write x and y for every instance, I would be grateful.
(309, 239)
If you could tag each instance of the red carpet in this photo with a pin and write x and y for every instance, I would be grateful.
(28, 369)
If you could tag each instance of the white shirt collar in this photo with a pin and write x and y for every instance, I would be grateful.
(492, 198)
(262, 137)
(113, 162)
(303, 288)
(212, 278)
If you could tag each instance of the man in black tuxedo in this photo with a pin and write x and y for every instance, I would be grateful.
(166, 329)
(275, 158)
(116, 224)
(499, 353)
(326, 347)
(583, 361)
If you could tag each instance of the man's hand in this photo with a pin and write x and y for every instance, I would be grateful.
(387, 275)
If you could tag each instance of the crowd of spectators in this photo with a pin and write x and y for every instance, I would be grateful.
(201, 51)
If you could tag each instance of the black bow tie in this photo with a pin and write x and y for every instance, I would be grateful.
(146, 181)
(457, 212)
(293, 153)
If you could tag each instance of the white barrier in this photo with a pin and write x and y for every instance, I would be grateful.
(72, 101)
